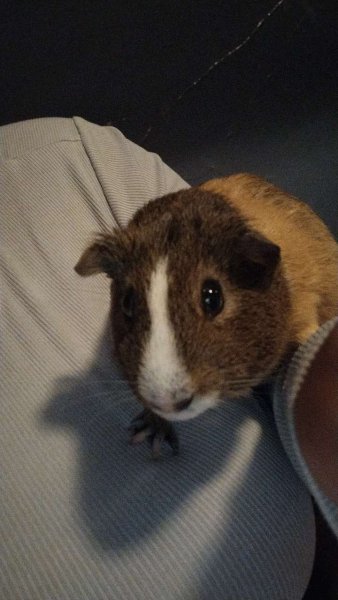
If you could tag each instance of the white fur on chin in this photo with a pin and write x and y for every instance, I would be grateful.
(198, 406)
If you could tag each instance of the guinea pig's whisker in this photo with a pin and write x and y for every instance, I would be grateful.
(92, 394)
(100, 394)
(242, 380)
(95, 382)
(238, 383)
(112, 383)
(109, 379)
(239, 379)
(98, 415)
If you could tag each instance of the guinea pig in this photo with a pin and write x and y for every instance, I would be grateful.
(212, 287)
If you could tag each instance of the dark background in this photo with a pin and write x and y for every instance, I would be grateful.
(269, 106)
(213, 87)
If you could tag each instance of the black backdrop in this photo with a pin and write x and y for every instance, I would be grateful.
(265, 71)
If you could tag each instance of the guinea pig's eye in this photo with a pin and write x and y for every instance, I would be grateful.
(212, 297)
(128, 302)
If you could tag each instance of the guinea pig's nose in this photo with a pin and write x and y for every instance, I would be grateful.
(182, 404)
(168, 405)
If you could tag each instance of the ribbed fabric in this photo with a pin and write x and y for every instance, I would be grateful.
(20, 138)
(285, 396)
(84, 516)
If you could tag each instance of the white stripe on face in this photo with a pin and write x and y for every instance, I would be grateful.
(163, 379)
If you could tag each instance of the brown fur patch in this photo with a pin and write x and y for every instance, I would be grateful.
(309, 252)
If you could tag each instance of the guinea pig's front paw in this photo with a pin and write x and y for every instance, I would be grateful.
(150, 427)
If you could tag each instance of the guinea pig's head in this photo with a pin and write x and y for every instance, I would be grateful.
(199, 302)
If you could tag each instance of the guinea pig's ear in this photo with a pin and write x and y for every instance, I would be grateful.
(104, 255)
(254, 262)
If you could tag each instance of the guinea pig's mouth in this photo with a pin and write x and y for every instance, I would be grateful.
(197, 405)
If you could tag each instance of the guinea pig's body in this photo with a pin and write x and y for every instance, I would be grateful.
(309, 254)
(212, 287)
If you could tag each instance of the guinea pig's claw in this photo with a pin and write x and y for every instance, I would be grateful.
(150, 427)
